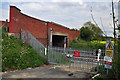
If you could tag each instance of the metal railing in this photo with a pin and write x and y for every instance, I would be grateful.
(33, 42)
(65, 57)
(86, 62)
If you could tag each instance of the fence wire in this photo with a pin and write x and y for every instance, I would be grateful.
(33, 42)
(86, 62)
(65, 57)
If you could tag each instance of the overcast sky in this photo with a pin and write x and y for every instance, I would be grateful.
(69, 13)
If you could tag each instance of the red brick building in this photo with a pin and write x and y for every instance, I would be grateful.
(39, 28)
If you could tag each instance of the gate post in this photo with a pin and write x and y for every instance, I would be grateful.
(48, 55)
(99, 53)
(70, 62)
(65, 40)
(50, 37)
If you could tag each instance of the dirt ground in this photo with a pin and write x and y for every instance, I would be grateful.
(46, 72)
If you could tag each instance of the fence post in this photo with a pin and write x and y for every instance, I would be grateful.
(48, 55)
(45, 51)
(70, 62)
(99, 53)
(65, 44)
(50, 37)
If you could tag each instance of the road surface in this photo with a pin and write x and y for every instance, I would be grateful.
(46, 72)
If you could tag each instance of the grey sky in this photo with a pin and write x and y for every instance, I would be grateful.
(72, 14)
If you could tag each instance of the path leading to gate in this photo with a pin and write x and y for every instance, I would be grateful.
(46, 72)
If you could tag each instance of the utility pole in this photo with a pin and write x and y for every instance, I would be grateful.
(114, 27)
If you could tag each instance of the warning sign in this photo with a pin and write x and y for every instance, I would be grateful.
(109, 53)
(110, 46)
(108, 58)
(110, 63)
(76, 54)
(108, 66)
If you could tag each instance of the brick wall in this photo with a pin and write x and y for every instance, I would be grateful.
(38, 28)
(59, 28)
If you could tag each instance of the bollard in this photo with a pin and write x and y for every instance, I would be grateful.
(99, 53)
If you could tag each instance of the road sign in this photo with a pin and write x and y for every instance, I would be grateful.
(108, 58)
(108, 66)
(110, 47)
(109, 53)
(110, 63)
(76, 54)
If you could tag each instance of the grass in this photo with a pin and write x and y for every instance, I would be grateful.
(58, 58)
(101, 69)
(79, 44)
(86, 45)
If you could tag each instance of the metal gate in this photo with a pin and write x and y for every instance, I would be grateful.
(86, 62)
(33, 42)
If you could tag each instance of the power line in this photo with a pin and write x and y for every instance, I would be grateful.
(103, 28)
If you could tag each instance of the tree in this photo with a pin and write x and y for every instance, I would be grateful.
(94, 28)
(89, 31)
(86, 33)
(119, 39)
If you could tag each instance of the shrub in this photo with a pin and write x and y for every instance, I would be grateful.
(96, 45)
(116, 66)
(17, 55)
(101, 69)
(99, 78)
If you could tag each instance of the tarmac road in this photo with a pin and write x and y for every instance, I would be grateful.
(45, 72)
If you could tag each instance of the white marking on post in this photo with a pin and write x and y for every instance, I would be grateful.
(45, 51)
(99, 52)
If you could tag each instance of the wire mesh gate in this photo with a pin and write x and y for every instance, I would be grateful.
(86, 62)
(65, 57)
(33, 42)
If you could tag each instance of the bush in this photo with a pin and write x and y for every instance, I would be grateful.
(116, 66)
(101, 69)
(17, 55)
(99, 78)
(4, 34)
(85, 45)
(96, 45)
(79, 44)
